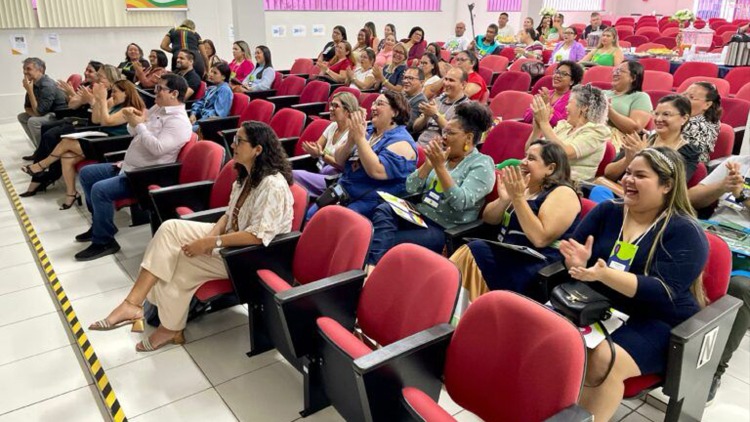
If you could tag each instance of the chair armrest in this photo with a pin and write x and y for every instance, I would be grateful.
(63, 112)
(574, 413)
(325, 115)
(310, 109)
(207, 216)
(284, 101)
(95, 148)
(162, 175)
(739, 136)
(228, 135)
(262, 95)
(548, 277)
(289, 145)
(304, 162)
(335, 297)
(243, 263)
(454, 237)
(211, 127)
(114, 157)
(284, 72)
(194, 195)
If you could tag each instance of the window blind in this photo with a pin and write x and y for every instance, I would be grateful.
(16, 14)
(99, 14)
(575, 5)
(353, 5)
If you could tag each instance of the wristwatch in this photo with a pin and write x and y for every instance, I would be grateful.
(218, 241)
(743, 196)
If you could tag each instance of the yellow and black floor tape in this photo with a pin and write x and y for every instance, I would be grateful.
(92, 361)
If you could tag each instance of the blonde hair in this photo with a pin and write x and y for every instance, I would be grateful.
(615, 39)
(245, 49)
(187, 23)
(112, 73)
(348, 101)
(670, 169)
(350, 54)
(403, 47)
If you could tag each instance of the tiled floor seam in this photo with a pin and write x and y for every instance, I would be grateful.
(85, 347)
(46, 399)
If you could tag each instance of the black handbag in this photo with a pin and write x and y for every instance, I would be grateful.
(334, 194)
(580, 303)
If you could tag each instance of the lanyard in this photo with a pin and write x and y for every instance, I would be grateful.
(619, 237)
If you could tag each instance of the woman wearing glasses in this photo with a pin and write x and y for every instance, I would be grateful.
(184, 254)
(453, 181)
(567, 75)
(476, 87)
(608, 52)
(582, 134)
(568, 48)
(630, 107)
(389, 77)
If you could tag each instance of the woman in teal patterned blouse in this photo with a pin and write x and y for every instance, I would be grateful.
(453, 182)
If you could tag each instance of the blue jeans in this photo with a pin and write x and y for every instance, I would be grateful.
(102, 184)
(390, 230)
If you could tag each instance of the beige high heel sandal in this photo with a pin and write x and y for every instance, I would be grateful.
(145, 344)
(139, 323)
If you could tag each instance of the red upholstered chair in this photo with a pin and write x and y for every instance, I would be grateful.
(657, 80)
(398, 308)
(312, 133)
(507, 140)
(313, 92)
(511, 81)
(580, 27)
(650, 63)
(546, 56)
(647, 46)
(516, 66)
(486, 74)
(625, 20)
(738, 77)
(670, 31)
(624, 44)
(495, 63)
(509, 53)
(586, 206)
(550, 70)
(635, 40)
(699, 174)
(735, 115)
(259, 111)
(543, 82)
(210, 128)
(510, 105)
(645, 30)
(75, 81)
(492, 380)
(184, 199)
(366, 100)
(421, 156)
(743, 93)
(288, 125)
(200, 93)
(278, 78)
(656, 95)
(689, 69)
(696, 344)
(597, 73)
(301, 67)
(609, 155)
(721, 85)
(290, 85)
(603, 85)
(314, 109)
(729, 27)
(724, 143)
(666, 41)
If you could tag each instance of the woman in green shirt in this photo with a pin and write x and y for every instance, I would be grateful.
(453, 182)
(630, 107)
(608, 52)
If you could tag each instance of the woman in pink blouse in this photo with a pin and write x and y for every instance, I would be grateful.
(242, 64)
(567, 75)
(386, 53)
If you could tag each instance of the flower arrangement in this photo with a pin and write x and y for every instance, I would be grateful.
(547, 11)
(683, 15)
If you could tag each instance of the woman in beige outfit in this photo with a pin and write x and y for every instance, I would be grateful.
(183, 254)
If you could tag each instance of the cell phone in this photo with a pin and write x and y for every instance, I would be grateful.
(235, 81)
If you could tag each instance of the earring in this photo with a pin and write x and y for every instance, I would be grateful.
(466, 147)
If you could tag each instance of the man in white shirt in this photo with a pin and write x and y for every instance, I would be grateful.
(504, 31)
(159, 134)
(459, 42)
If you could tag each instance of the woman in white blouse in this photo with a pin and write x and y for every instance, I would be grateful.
(361, 77)
(183, 254)
(433, 77)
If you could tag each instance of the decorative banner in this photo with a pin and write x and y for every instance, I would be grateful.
(353, 5)
(18, 46)
(152, 5)
(52, 43)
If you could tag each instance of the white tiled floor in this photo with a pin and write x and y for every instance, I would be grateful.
(210, 378)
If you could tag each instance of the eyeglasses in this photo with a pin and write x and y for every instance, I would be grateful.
(619, 71)
(665, 115)
(334, 106)
(381, 103)
(562, 74)
(399, 53)
(158, 88)
(568, 33)
(410, 78)
(237, 141)
(462, 59)
(447, 133)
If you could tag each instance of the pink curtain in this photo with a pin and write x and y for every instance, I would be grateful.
(503, 5)
(354, 5)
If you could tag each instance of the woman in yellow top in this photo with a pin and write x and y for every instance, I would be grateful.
(608, 52)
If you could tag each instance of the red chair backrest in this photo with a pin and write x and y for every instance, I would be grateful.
(657, 80)
(666, 41)
(603, 85)
(516, 66)
(546, 55)
(75, 81)
(258, 110)
(624, 44)
(509, 53)
(550, 70)
(487, 377)
(315, 92)
(726, 28)
(335, 240)
(299, 194)
(397, 301)
(312, 133)
(510, 104)
(609, 155)
(291, 85)
(495, 63)
(223, 186)
(656, 95)
(201, 91)
(239, 104)
(670, 31)
(598, 73)
(735, 112)
(635, 40)
(743, 93)
(187, 147)
(511, 81)
(421, 156)
(586, 206)
(288, 123)
(486, 74)
(648, 46)
(544, 81)
(366, 100)
(507, 140)
(724, 142)
(445, 55)
(689, 69)
(699, 174)
(277, 80)
(202, 162)
(644, 30)
(650, 63)
(738, 77)
(301, 66)
(354, 91)
(718, 268)
(721, 85)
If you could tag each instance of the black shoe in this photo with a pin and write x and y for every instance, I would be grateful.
(41, 187)
(96, 251)
(712, 392)
(28, 157)
(85, 236)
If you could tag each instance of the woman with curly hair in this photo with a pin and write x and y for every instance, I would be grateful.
(184, 254)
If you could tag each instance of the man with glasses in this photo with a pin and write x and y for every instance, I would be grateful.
(436, 113)
(487, 44)
(459, 42)
(158, 136)
(596, 25)
(412, 83)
